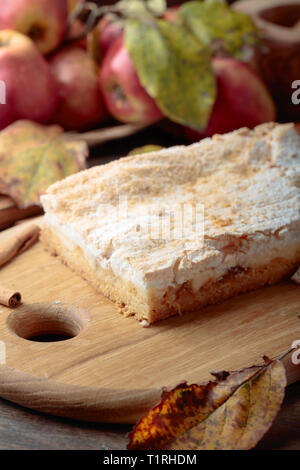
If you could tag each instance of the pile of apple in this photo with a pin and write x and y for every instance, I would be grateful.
(44, 81)
(49, 81)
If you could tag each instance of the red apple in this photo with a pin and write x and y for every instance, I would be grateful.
(44, 21)
(31, 90)
(80, 101)
(124, 96)
(108, 31)
(242, 100)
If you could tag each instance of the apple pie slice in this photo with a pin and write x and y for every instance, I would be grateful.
(172, 231)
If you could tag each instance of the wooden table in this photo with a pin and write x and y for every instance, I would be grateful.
(24, 429)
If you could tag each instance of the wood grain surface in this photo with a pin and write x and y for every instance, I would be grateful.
(112, 370)
(21, 429)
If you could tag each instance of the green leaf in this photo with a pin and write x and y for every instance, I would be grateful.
(157, 7)
(145, 149)
(33, 156)
(141, 8)
(174, 67)
(215, 1)
(220, 27)
(132, 7)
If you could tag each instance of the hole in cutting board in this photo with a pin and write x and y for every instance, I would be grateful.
(49, 338)
(46, 322)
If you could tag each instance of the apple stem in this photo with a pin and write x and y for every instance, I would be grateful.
(91, 13)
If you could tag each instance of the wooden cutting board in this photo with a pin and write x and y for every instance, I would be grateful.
(113, 370)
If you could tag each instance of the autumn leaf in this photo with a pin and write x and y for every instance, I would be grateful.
(219, 27)
(142, 7)
(232, 412)
(175, 69)
(157, 7)
(145, 149)
(33, 156)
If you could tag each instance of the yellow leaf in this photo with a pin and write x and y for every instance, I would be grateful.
(233, 412)
(145, 149)
(33, 156)
(220, 27)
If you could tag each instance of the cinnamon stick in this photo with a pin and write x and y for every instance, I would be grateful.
(9, 298)
(16, 240)
(10, 213)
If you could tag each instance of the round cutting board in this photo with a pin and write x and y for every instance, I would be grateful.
(107, 367)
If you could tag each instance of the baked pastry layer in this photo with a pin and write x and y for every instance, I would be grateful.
(175, 300)
(177, 229)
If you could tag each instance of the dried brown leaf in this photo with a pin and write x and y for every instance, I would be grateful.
(233, 412)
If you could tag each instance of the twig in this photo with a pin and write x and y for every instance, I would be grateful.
(103, 135)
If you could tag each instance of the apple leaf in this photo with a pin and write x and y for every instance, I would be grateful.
(33, 156)
(217, 25)
(142, 7)
(145, 149)
(174, 67)
(232, 412)
(157, 7)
